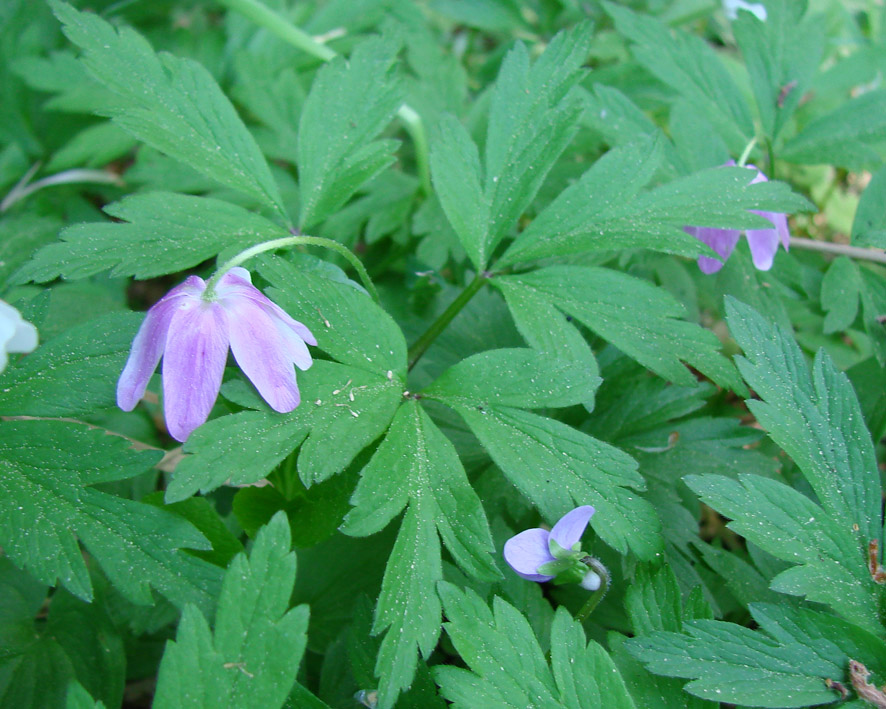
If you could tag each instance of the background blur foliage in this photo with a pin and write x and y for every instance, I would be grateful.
(527, 166)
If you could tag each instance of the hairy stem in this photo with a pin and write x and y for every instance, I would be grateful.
(594, 600)
(421, 345)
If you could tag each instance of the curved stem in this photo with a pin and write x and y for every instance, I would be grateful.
(22, 189)
(594, 600)
(877, 255)
(421, 345)
(747, 152)
(277, 24)
(416, 129)
(291, 241)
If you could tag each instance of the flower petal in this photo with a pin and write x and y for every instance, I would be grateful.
(234, 282)
(527, 551)
(193, 364)
(262, 353)
(722, 241)
(572, 525)
(150, 341)
(764, 242)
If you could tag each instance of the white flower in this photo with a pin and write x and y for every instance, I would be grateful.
(16, 335)
(731, 8)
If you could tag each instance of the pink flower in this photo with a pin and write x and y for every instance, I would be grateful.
(193, 334)
(763, 242)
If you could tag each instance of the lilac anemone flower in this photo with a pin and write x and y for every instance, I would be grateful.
(763, 242)
(530, 549)
(193, 334)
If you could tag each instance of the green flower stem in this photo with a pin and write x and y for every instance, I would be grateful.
(76, 175)
(277, 24)
(283, 243)
(597, 596)
(421, 345)
(416, 129)
(746, 153)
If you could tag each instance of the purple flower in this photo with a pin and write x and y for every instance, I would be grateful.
(529, 550)
(192, 334)
(763, 242)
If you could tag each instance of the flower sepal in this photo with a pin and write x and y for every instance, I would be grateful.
(560, 552)
(565, 571)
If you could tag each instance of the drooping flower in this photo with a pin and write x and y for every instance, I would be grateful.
(540, 555)
(763, 242)
(193, 333)
(16, 334)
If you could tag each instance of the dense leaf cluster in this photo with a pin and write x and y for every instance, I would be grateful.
(516, 177)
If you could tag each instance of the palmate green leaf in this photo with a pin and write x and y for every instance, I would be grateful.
(605, 209)
(814, 416)
(166, 233)
(557, 467)
(46, 504)
(20, 236)
(869, 225)
(786, 665)
(533, 115)
(79, 698)
(507, 667)
(458, 180)
(830, 562)
(40, 657)
(417, 466)
(635, 316)
(172, 104)
(514, 377)
(816, 419)
(252, 657)
(653, 603)
(840, 289)
(781, 55)
(347, 324)
(850, 136)
(692, 68)
(350, 103)
(243, 448)
(547, 330)
(74, 373)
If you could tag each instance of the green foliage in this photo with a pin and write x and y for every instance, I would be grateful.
(692, 68)
(76, 643)
(251, 657)
(507, 667)
(532, 118)
(556, 152)
(171, 104)
(350, 103)
(431, 481)
(166, 233)
(785, 664)
(73, 373)
(633, 315)
(605, 209)
(47, 505)
(781, 55)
